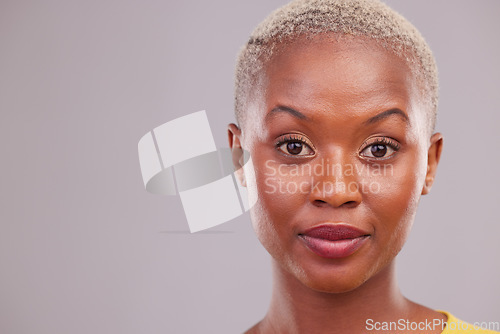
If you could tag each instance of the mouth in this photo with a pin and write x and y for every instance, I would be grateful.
(334, 241)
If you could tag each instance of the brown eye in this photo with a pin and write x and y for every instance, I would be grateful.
(378, 150)
(295, 148)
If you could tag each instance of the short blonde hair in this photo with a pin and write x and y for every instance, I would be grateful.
(367, 18)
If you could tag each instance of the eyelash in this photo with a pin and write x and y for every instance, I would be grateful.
(392, 143)
(289, 138)
(284, 139)
(382, 141)
(387, 141)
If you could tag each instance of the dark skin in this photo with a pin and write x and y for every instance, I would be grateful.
(351, 103)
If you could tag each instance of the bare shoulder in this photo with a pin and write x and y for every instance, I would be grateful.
(424, 312)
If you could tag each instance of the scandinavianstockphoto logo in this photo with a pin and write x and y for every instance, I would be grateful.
(201, 174)
(325, 177)
(204, 178)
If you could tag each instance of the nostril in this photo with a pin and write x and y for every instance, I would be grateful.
(350, 204)
(319, 202)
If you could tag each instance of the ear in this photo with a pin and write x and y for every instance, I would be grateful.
(234, 137)
(434, 154)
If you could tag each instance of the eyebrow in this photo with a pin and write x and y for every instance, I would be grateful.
(377, 118)
(290, 111)
(383, 115)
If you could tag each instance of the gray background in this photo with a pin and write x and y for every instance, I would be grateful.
(84, 248)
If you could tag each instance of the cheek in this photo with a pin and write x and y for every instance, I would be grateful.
(279, 194)
(395, 203)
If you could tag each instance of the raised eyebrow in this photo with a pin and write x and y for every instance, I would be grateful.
(385, 114)
(288, 110)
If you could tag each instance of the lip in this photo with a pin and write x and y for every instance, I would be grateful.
(334, 241)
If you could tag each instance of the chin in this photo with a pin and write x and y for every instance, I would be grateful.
(337, 278)
(332, 283)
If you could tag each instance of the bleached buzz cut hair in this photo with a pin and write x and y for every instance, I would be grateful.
(371, 19)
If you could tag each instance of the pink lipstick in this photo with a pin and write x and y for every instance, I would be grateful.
(334, 241)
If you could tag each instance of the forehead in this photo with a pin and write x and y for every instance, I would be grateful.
(350, 74)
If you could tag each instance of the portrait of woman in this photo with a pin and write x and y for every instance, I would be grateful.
(363, 131)
(353, 86)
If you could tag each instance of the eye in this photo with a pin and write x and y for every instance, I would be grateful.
(380, 148)
(294, 145)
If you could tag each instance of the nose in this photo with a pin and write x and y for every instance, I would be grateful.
(337, 184)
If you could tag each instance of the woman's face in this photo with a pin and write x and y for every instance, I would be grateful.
(339, 143)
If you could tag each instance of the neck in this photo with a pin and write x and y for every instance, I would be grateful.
(295, 308)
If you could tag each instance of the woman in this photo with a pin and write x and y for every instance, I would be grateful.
(336, 103)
